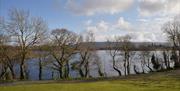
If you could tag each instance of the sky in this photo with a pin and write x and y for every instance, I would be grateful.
(142, 19)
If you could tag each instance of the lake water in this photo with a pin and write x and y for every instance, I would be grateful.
(106, 66)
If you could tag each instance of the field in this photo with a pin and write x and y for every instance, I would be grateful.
(159, 81)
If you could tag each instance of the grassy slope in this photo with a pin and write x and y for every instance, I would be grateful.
(164, 81)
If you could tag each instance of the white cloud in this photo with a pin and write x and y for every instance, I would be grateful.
(102, 26)
(123, 24)
(158, 7)
(90, 7)
(99, 30)
(173, 6)
(149, 29)
(153, 14)
(144, 36)
(104, 30)
(152, 24)
(142, 30)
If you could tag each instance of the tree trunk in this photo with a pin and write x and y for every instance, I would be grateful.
(100, 72)
(114, 67)
(81, 72)
(66, 69)
(125, 64)
(136, 70)
(12, 72)
(3, 72)
(52, 75)
(40, 69)
(22, 71)
(60, 72)
(128, 67)
(165, 60)
(80, 69)
(179, 59)
(125, 68)
(175, 59)
(148, 65)
(119, 72)
(168, 61)
(142, 66)
(22, 67)
(87, 69)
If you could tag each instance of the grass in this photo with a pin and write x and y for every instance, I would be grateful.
(163, 81)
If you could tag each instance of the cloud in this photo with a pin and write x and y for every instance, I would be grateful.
(149, 29)
(153, 14)
(146, 27)
(173, 6)
(91, 7)
(104, 30)
(101, 26)
(142, 30)
(158, 7)
(147, 7)
(123, 24)
(144, 36)
(151, 24)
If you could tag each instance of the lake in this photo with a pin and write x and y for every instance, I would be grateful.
(106, 66)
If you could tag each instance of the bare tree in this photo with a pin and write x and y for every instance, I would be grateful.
(145, 60)
(114, 51)
(10, 58)
(64, 46)
(166, 56)
(3, 62)
(98, 62)
(86, 51)
(121, 45)
(126, 49)
(8, 53)
(155, 62)
(172, 29)
(3, 41)
(42, 56)
(25, 31)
